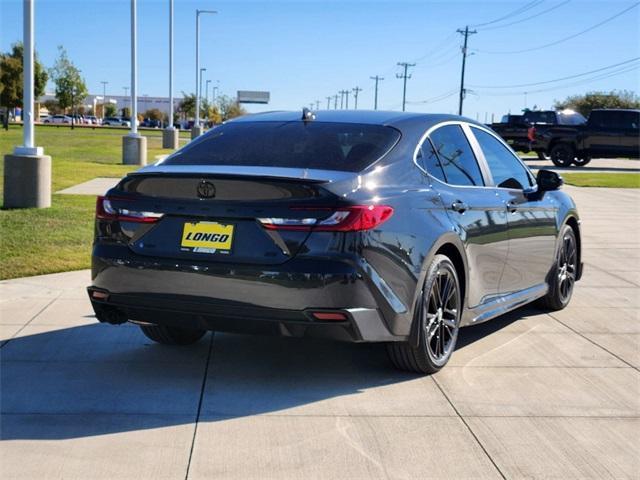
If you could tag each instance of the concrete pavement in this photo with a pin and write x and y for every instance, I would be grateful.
(529, 395)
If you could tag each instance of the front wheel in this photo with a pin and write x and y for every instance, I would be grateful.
(581, 162)
(437, 317)
(563, 273)
(562, 155)
(172, 335)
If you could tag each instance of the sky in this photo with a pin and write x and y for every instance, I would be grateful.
(303, 51)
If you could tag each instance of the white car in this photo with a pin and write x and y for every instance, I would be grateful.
(58, 119)
(92, 120)
(116, 122)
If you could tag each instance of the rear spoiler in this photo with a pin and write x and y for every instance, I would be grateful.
(299, 174)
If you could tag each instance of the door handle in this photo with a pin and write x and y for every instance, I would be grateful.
(459, 206)
(512, 206)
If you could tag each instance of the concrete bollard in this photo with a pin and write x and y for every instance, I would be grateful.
(27, 181)
(196, 131)
(171, 138)
(134, 150)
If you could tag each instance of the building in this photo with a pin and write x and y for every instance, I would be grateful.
(145, 102)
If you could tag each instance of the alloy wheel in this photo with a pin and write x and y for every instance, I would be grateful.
(441, 311)
(567, 259)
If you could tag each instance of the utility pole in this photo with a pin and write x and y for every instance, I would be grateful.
(356, 91)
(104, 96)
(335, 102)
(346, 103)
(375, 97)
(466, 32)
(404, 76)
(328, 102)
(341, 92)
(317, 104)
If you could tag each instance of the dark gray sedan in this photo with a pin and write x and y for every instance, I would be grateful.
(352, 225)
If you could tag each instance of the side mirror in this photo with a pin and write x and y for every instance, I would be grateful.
(548, 181)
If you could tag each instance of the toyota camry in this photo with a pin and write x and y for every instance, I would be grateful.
(361, 226)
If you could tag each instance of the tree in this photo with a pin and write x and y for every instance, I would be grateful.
(11, 80)
(229, 108)
(110, 110)
(53, 107)
(70, 86)
(592, 100)
(187, 105)
(153, 114)
(126, 112)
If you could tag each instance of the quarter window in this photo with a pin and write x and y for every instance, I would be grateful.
(455, 156)
(506, 170)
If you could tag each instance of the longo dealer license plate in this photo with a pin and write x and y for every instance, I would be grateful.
(207, 237)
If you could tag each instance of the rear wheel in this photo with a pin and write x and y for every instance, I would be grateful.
(172, 335)
(438, 319)
(562, 155)
(563, 274)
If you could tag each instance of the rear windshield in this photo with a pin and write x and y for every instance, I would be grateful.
(540, 117)
(331, 146)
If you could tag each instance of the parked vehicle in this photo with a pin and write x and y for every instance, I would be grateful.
(608, 133)
(360, 226)
(92, 120)
(58, 119)
(116, 122)
(516, 129)
(150, 123)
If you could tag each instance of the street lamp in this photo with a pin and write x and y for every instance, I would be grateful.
(203, 69)
(134, 146)
(196, 131)
(27, 172)
(170, 136)
(104, 96)
(206, 90)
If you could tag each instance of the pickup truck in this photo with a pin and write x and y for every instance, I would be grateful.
(608, 133)
(516, 129)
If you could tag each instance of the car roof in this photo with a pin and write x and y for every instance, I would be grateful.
(635, 110)
(373, 117)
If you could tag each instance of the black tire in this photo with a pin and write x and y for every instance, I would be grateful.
(562, 277)
(431, 321)
(581, 162)
(541, 155)
(172, 335)
(562, 154)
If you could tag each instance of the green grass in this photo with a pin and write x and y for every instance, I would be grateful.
(38, 241)
(613, 180)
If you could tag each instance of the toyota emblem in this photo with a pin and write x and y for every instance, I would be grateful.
(206, 189)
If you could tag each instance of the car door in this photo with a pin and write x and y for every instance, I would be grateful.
(629, 131)
(477, 212)
(531, 217)
(601, 138)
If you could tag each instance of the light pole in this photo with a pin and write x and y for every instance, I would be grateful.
(134, 146)
(27, 172)
(206, 90)
(170, 136)
(104, 96)
(197, 130)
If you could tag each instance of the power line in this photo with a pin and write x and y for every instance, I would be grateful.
(404, 76)
(558, 79)
(517, 11)
(436, 98)
(527, 18)
(466, 32)
(540, 47)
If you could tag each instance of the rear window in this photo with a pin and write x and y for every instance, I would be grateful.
(322, 145)
(571, 118)
(540, 117)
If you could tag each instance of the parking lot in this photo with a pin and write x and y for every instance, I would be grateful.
(527, 395)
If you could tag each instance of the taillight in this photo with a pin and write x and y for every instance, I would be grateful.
(531, 133)
(106, 211)
(355, 218)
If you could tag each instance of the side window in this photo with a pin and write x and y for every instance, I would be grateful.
(429, 160)
(506, 170)
(455, 156)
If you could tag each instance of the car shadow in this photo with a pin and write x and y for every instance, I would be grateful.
(96, 379)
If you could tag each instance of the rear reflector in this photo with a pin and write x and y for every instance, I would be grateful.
(331, 316)
(354, 218)
(98, 295)
(106, 211)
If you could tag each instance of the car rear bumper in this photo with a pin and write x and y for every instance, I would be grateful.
(278, 299)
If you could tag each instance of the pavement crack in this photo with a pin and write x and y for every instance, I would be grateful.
(204, 384)
(473, 434)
